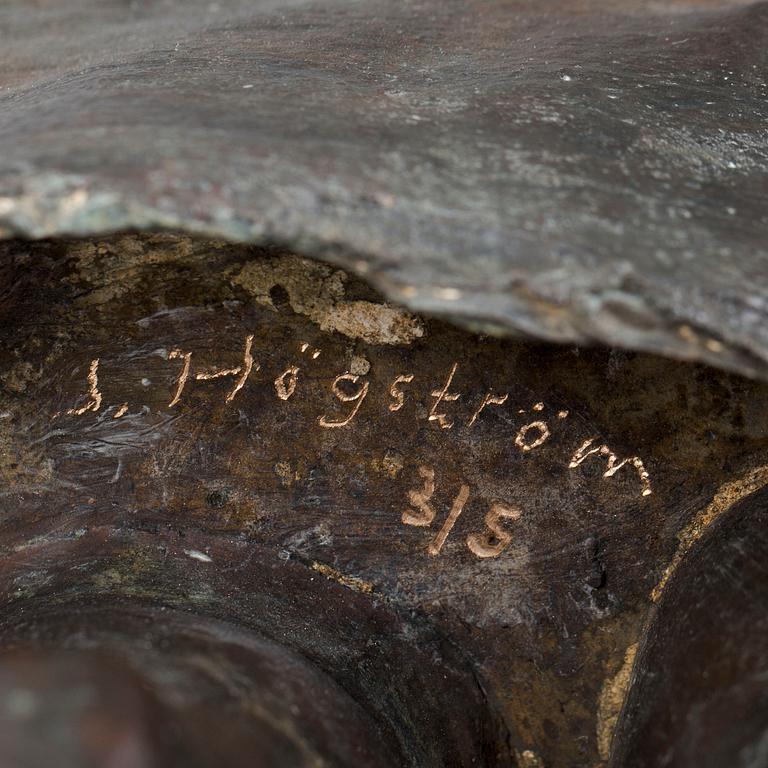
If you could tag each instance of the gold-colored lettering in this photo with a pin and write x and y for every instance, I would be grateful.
(588, 449)
(521, 439)
(456, 510)
(420, 500)
(397, 394)
(314, 352)
(357, 398)
(208, 375)
(285, 383)
(247, 367)
(489, 399)
(496, 539)
(244, 370)
(443, 419)
(183, 375)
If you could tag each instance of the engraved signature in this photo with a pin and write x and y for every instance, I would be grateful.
(490, 543)
(351, 390)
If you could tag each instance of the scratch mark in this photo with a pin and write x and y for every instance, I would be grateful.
(94, 396)
(351, 582)
(196, 554)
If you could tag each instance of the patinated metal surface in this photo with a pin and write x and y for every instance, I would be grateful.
(238, 489)
(700, 696)
(579, 171)
(251, 514)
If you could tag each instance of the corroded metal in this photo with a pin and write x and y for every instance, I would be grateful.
(589, 171)
(277, 516)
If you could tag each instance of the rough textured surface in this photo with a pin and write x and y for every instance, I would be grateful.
(154, 512)
(589, 170)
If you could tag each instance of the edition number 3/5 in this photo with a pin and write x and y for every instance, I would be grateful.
(490, 543)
